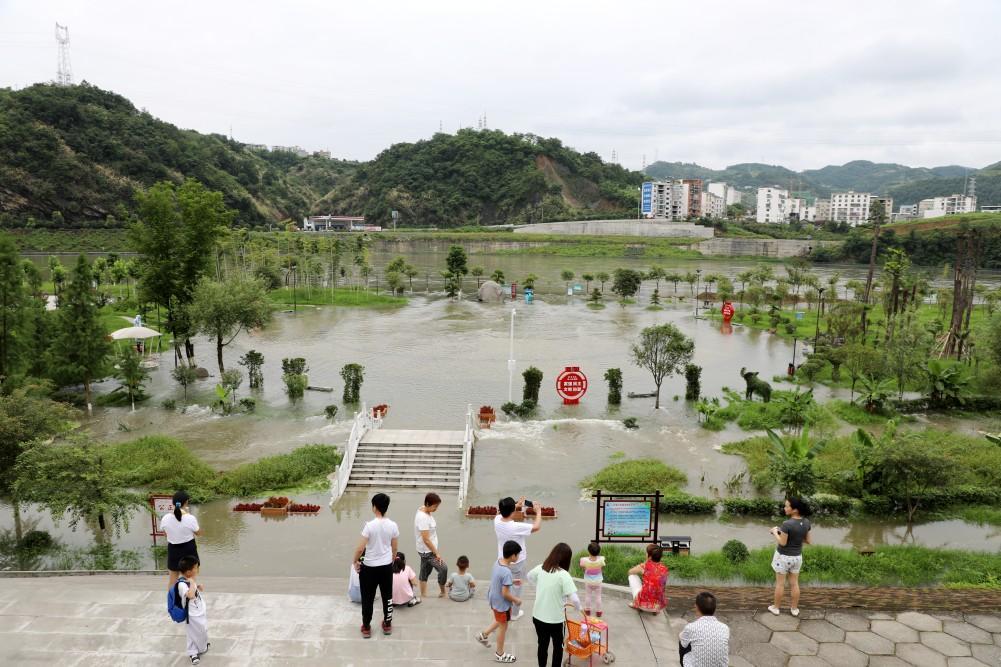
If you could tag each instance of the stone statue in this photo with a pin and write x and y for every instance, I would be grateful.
(755, 385)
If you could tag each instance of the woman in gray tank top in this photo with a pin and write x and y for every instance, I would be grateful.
(788, 559)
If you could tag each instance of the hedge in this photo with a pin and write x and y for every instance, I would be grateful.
(682, 503)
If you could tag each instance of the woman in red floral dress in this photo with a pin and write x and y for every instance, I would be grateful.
(649, 593)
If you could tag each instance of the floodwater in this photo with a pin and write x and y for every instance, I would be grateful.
(431, 359)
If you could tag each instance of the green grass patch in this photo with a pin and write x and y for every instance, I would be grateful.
(888, 566)
(756, 415)
(856, 415)
(982, 516)
(71, 240)
(163, 465)
(636, 476)
(339, 296)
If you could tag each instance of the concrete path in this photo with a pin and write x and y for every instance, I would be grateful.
(121, 620)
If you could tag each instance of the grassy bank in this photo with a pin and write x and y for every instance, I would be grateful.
(70, 240)
(636, 476)
(888, 566)
(162, 465)
(339, 296)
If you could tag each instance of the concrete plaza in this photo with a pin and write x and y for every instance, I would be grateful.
(121, 620)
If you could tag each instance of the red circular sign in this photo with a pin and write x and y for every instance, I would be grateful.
(571, 385)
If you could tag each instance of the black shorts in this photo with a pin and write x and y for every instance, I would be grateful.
(175, 551)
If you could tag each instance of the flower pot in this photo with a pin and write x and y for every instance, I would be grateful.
(274, 511)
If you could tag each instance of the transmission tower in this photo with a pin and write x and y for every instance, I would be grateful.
(64, 75)
(971, 187)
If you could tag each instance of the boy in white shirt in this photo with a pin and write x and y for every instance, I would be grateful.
(507, 528)
(191, 591)
(379, 546)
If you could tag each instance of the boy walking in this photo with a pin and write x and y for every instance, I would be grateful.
(501, 600)
(506, 528)
(378, 544)
(191, 592)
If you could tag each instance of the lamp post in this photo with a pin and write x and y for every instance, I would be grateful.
(698, 278)
(816, 335)
(510, 362)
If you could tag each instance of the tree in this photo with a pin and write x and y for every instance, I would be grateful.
(567, 277)
(674, 278)
(691, 278)
(613, 376)
(394, 281)
(656, 274)
(877, 216)
(626, 283)
(662, 350)
(456, 269)
(353, 375)
(905, 354)
(533, 380)
(791, 462)
(176, 238)
(410, 272)
(130, 370)
(693, 382)
(602, 278)
(875, 392)
(294, 376)
(73, 478)
(184, 376)
(221, 310)
(946, 384)
(909, 469)
(13, 323)
(80, 346)
(57, 273)
(588, 279)
(497, 276)
(861, 361)
(32, 276)
(529, 281)
(477, 272)
(253, 360)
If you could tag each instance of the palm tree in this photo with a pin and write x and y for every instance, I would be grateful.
(691, 278)
(476, 272)
(587, 278)
(602, 278)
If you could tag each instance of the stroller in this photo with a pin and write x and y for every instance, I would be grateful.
(586, 638)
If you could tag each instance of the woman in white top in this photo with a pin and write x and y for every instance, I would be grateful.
(181, 528)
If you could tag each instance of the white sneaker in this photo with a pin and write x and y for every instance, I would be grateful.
(521, 612)
(794, 612)
(775, 610)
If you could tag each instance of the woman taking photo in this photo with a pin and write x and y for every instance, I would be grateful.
(788, 559)
(554, 590)
(181, 528)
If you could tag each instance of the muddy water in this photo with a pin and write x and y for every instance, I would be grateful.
(429, 360)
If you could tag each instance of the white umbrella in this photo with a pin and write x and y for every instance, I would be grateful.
(134, 333)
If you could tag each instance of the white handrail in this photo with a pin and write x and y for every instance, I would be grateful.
(363, 423)
(467, 456)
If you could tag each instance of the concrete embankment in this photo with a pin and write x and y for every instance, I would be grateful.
(644, 228)
(776, 248)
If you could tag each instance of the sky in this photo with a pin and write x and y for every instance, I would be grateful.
(801, 83)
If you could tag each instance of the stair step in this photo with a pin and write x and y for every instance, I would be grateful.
(409, 448)
(402, 465)
(417, 474)
(416, 484)
(440, 454)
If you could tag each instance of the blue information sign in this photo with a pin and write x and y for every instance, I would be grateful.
(627, 518)
(646, 198)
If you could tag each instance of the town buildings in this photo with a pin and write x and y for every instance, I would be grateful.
(673, 199)
(729, 194)
(337, 223)
(853, 208)
(713, 206)
(772, 205)
(935, 207)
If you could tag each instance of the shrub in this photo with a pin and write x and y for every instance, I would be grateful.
(248, 404)
(735, 551)
(765, 507)
(330, 411)
(630, 423)
(299, 467)
(35, 541)
(824, 504)
(682, 503)
(169, 404)
(636, 476)
(162, 465)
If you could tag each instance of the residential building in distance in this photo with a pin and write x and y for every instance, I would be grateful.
(693, 198)
(906, 212)
(728, 193)
(796, 209)
(325, 154)
(935, 207)
(822, 210)
(852, 208)
(771, 205)
(337, 223)
(990, 209)
(255, 147)
(713, 206)
(657, 200)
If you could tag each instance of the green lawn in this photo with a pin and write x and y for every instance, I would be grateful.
(339, 296)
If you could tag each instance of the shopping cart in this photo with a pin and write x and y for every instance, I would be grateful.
(586, 638)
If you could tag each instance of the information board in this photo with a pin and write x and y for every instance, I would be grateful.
(646, 198)
(627, 518)
(159, 505)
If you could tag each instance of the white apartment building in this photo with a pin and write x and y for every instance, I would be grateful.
(853, 208)
(729, 194)
(935, 207)
(796, 208)
(713, 205)
(772, 205)
(674, 199)
(822, 210)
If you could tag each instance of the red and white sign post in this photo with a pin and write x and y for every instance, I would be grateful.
(571, 385)
(727, 311)
(159, 505)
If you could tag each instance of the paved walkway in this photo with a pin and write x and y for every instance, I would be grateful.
(121, 620)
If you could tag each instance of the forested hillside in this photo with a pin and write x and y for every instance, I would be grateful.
(75, 155)
(484, 177)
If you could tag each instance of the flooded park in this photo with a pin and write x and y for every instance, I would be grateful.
(432, 359)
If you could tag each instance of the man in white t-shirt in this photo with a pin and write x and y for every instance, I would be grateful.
(379, 545)
(506, 528)
(426, 533)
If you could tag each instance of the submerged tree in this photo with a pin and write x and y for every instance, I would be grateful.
(353, 376)
(130, 371)
(184, 376)
(221, 310)
(626, 283)
(662, 350)
(253, 360)
(533, 380)
(613, 376)
(294, 376)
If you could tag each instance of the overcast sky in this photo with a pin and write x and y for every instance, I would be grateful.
(801, 83)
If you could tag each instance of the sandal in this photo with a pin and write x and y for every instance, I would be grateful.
(507, 657)
(483, 639)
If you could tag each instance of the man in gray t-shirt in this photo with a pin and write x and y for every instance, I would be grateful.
(796, 530)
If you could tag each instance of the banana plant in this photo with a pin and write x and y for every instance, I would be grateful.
(947, 384)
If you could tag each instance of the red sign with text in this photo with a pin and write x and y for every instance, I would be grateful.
(571, 385)
(727, 311)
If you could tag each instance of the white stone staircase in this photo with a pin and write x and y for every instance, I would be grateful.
(390, 458)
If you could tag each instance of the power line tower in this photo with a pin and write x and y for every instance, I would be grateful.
(971, 187)
(64, 75)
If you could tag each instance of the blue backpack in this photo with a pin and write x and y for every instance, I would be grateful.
(177, 606)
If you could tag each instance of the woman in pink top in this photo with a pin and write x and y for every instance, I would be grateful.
(403, 582)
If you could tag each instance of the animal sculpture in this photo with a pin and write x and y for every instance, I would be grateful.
(756, 385)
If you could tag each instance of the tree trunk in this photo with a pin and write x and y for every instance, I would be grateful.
(656, 403)
(18, 528)
(86, 395)
(218, 354)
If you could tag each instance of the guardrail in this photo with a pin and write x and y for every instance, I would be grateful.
(467, 456)
(363, 423)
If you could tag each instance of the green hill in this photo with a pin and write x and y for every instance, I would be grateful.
(79, 153)
(484, 177)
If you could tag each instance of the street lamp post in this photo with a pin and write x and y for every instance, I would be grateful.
(510, 362)
(816, 335)
(698, 278)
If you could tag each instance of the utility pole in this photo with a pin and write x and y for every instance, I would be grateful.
(64, 74)
(510, 362)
